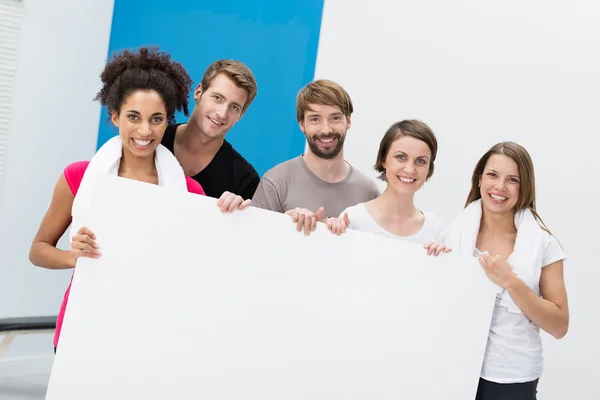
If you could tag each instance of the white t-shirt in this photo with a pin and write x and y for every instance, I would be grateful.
(514, 347)
(361, 220)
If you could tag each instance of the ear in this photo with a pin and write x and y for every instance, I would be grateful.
(198, 93)
(349, 120)
(115, 118)
(301, 125)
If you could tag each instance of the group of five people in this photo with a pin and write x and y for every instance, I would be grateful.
(143, 89)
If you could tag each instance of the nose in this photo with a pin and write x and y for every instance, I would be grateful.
(500, 186)
(222, 110)
(145, 129)
(409, 168)
(326, 128)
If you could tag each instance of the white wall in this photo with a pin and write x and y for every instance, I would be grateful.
(11, 19)
(54, 122)
(476, 72)
(479, 73)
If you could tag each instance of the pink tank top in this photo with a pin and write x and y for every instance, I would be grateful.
(73, 175)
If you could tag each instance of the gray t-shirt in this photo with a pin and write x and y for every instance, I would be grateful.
(292, 184)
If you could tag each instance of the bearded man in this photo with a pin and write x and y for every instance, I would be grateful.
(320, 183)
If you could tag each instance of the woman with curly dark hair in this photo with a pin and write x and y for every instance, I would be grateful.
(142, 90)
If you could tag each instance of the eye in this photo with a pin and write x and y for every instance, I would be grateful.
(216, 97)
(491, 174)
(235, 108)
(132, 117)
(157, 120)
(514, 180)
(314, 119)
(400, 156)
(421, 161)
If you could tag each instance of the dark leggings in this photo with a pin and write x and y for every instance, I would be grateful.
(506, 391)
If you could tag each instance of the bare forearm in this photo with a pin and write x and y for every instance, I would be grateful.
(544, 313)
(47, 256)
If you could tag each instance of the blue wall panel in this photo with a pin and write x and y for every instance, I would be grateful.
(278, 40)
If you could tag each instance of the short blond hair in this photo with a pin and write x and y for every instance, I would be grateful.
(238, 72)
(323, 92)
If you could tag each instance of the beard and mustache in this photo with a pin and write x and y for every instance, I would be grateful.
(327, 153)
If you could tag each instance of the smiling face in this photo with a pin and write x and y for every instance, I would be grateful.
(499, 184)
(325, 129)
(407, 164)
(219, 107)
(142, 121)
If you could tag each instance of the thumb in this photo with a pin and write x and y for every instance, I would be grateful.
(346, 219)
(483, 258)
(320, 213)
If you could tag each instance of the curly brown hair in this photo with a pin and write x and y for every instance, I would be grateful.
(145, 69)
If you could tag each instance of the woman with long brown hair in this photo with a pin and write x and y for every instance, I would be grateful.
(500, 226)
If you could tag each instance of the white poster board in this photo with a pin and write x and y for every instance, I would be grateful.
(187, 302)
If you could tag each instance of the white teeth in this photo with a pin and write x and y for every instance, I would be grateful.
(216, 122)
(326, 140)
(499, 198)
(141, 142)
(407, 180)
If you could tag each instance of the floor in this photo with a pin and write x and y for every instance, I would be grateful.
(24, 379)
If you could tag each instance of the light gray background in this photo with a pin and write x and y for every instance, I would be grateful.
(477, 72)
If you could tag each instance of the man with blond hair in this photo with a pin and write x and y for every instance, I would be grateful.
(227, 89)
(319, 183)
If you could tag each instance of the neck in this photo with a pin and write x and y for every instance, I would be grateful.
(191, 138)
(331, 171)
(135, 167)
(397, 205)
(497, 224)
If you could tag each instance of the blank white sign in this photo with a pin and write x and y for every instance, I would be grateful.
(191, 303)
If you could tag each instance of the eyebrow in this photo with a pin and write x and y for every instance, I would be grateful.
(317, 114)
(138, 113)
(401, 152)
(225, 98)
(493, 170)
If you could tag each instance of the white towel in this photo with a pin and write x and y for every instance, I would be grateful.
(526, 259)
(107, 161)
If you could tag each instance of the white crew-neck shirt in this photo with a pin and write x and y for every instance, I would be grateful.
(361, 220)
(514, 347)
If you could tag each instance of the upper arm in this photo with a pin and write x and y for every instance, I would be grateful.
(552, 284)
(267, 197)
(58, 216)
